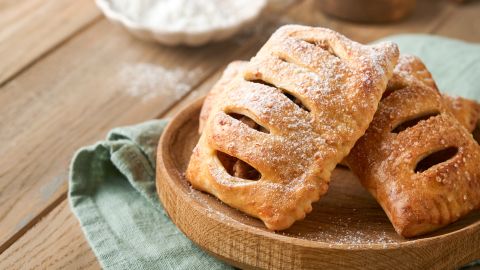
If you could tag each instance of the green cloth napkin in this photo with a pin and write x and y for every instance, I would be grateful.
(112, 183)
(112, 192)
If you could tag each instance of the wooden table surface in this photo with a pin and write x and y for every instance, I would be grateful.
(67, 76)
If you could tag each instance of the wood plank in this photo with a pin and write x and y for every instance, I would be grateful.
(98, 80)
(425, 19)
(82, 257)
(57, 242)
(103, 78)
(245, 45)
(30, 29)
(464, 23)
(60, 254)
(197, 93)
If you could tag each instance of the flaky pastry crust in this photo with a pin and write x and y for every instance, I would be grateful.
(293, 113)
(425, 174)
(466, 111)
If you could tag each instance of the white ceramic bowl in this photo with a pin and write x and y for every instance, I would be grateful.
(191, 37)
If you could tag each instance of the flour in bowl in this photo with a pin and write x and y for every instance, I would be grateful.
(193, 16)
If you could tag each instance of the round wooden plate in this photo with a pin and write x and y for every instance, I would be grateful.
(347, 228)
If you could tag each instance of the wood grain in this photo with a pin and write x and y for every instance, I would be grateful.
(427, 16)
(197, 93)
(77, 100)
(55, 243)
(127, 81)
(30, 29)
(54, 254)
(378, 11)
(346, 230)
(45, 115)
(464, 22)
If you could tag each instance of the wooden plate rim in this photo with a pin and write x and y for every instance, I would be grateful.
(163, 160)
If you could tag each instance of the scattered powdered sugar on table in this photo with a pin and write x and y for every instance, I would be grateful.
(149, 81)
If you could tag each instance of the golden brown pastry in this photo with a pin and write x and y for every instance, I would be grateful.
(416, 159)
(467, 113)
(293, 113)
(233, 70)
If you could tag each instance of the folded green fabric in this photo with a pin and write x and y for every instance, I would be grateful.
(112, 192)
(112, 183)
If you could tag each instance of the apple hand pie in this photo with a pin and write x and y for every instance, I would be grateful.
(467, 112)
(416, 159)
(274, 132)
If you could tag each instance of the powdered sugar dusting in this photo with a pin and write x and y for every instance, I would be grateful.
(345, 231)
(149, 81)
(199, 197)
(296, 158)
(392, 168)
